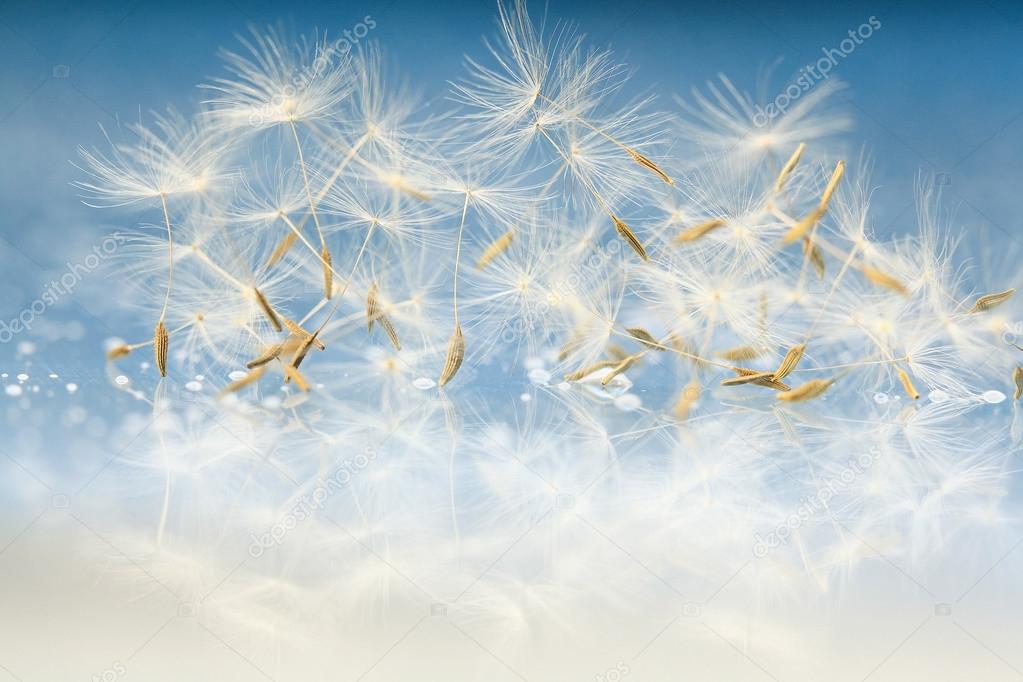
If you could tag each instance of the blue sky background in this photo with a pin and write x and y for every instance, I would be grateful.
(937, 89)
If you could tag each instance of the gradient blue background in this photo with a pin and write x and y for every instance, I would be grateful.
(937, 89)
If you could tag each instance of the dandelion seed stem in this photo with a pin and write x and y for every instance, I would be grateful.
(305, 180)
(170, 256)
(458, 256)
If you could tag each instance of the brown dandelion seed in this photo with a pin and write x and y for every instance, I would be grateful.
(268, 311)
(496, 248)
(269, 354)
(740, 353)
(649, 165)
(303, 351)
(372, 306)
(161, 343)
(803, 226)
(291, 372)
(697, 231)
(455, 355)
(629, 236)
(250, 378)
(907, 383)
(282, 248)
(586, 371)
(808, 391)
(789, 166)
(617, 353)
(303, 333)
(618, 369)
(645, 338)
(790, 361)
(811, 251)
(884, 280)
(328, 273)
(989, 301)
(392, 333)
(1017, 378)
(686, 398)
(120, 351)
(750, 378)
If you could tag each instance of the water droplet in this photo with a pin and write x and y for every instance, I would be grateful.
(539, 375)
(193, 386)
(992, 397)
(938, 396)
(628, 402)
(71, 388)
(236, 375)
(121, 380)
(525, 397)
(54, 376)
(200, 377)
(423, 384)
(881, 398)
(13, 390)
(22, 377)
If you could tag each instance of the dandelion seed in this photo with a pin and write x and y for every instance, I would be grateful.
(989, 301)
(375, 313)
(455, 355)
(269, 354)
(686, 399)
(120, 351)
(883, 279)
(250, 378)
(292, 373)
(372, 306)
(303, 351)
(808, 391)
(756, 377)
(590, 369)
(1017, 378)
(790, 361)
(907, 384)
(496, 248)
(741, 353)
(303, 333)
(698, 231)
(618, 353)
(645, 338)
(745, 378)
(811, 251)
(629, 236)
(619, 368)
(391, 332)
(649, 165)
(161, 343)
(282, 248)
(328, 273)
(268, 311)
(789, 166)
(803, 226)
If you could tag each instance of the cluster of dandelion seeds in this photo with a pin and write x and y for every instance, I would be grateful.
(682, 282)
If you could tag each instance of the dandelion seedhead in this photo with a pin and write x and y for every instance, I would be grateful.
(314, 238)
